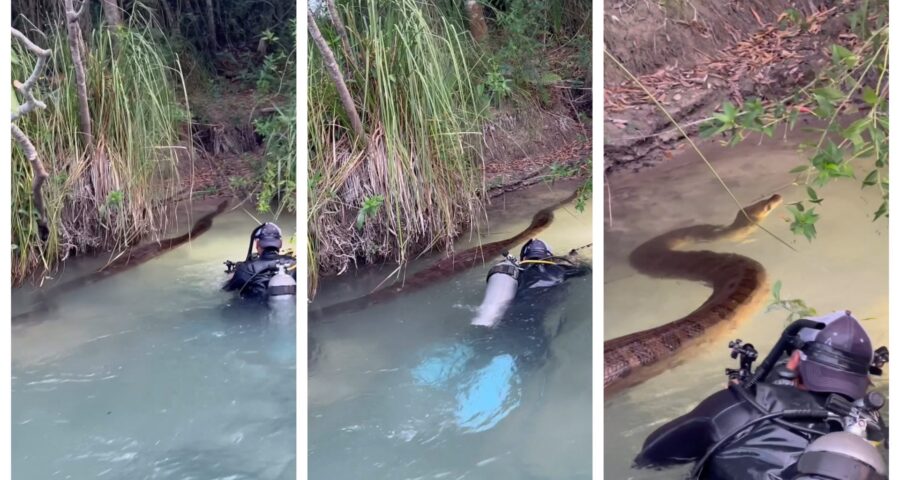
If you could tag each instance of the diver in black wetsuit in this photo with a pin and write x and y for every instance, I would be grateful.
(541, 286)
(484, 368)
(251, 277)
(817, 386)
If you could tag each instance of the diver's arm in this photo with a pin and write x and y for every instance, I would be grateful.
(686, 438)
(242, 274)
(577, 269)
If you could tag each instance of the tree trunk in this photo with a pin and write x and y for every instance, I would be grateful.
(76, 47)
(113, 14)
(211, 25)
(477, 25)
(342, 32)
(336, 76)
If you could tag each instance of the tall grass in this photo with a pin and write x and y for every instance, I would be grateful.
(415, 183)
(115, 193)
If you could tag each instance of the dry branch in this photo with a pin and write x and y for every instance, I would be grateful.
(40, 173)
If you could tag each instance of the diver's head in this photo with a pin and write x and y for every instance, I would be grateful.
(535, 249)
(268, 237)
(837, 360)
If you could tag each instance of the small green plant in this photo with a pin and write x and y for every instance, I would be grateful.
(115, 199)
(796, 308)
(238, 184)
(498, 84)
(804, 220)
(368, 210)
(559, 171)
(584, 194)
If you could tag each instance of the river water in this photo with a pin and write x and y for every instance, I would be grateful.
(153, 374)
(845, 268)
(399, 391)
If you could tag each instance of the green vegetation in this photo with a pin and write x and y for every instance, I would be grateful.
(421, 113)
(114, 192)
(408, 179)
(854, 84)
(113, 148)
(279, 131)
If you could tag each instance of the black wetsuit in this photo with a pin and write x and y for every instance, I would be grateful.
(522, 330)
(768, 452)
(251, 278)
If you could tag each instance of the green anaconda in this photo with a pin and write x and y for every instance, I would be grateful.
(738, 283)
(446, 267)
(131, 258)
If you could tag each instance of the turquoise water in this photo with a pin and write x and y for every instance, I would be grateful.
(153, 374)
(407, 389)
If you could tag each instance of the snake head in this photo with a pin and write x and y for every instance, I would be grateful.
(761, 209)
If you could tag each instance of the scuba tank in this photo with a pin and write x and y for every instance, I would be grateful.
(282, 288)
(840, 456)
(502, 283)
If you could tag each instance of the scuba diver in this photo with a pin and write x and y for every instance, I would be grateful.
(511, 336)
(804, 413)
(536, 271)
(268, 274)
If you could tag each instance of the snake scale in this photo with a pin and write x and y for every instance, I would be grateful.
(131, 258)
(446, 267)
(739, 285)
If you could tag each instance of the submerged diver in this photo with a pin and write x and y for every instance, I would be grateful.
(264, 275)
(515, 310)
(804, 413)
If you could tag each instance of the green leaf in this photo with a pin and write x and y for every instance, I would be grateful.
(839, 55)
(811, 193)
(799, 169)
(830, 93)
(869, 96)
(870, 179)
(882, 210)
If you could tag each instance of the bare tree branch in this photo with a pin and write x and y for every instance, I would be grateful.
(40, 173)
(25, 88)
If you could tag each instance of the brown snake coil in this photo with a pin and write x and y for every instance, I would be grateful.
(738, 283)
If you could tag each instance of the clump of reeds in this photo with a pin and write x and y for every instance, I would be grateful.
(113, 191)
(413, 183)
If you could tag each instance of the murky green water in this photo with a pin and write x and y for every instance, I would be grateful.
(379, 409)
(151, 374)
(844, 268)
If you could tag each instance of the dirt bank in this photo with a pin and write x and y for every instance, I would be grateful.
(649, 35)
(768, 63)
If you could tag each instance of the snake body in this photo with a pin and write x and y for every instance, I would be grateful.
(131, 258)
(738, 284)
(445, 267)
